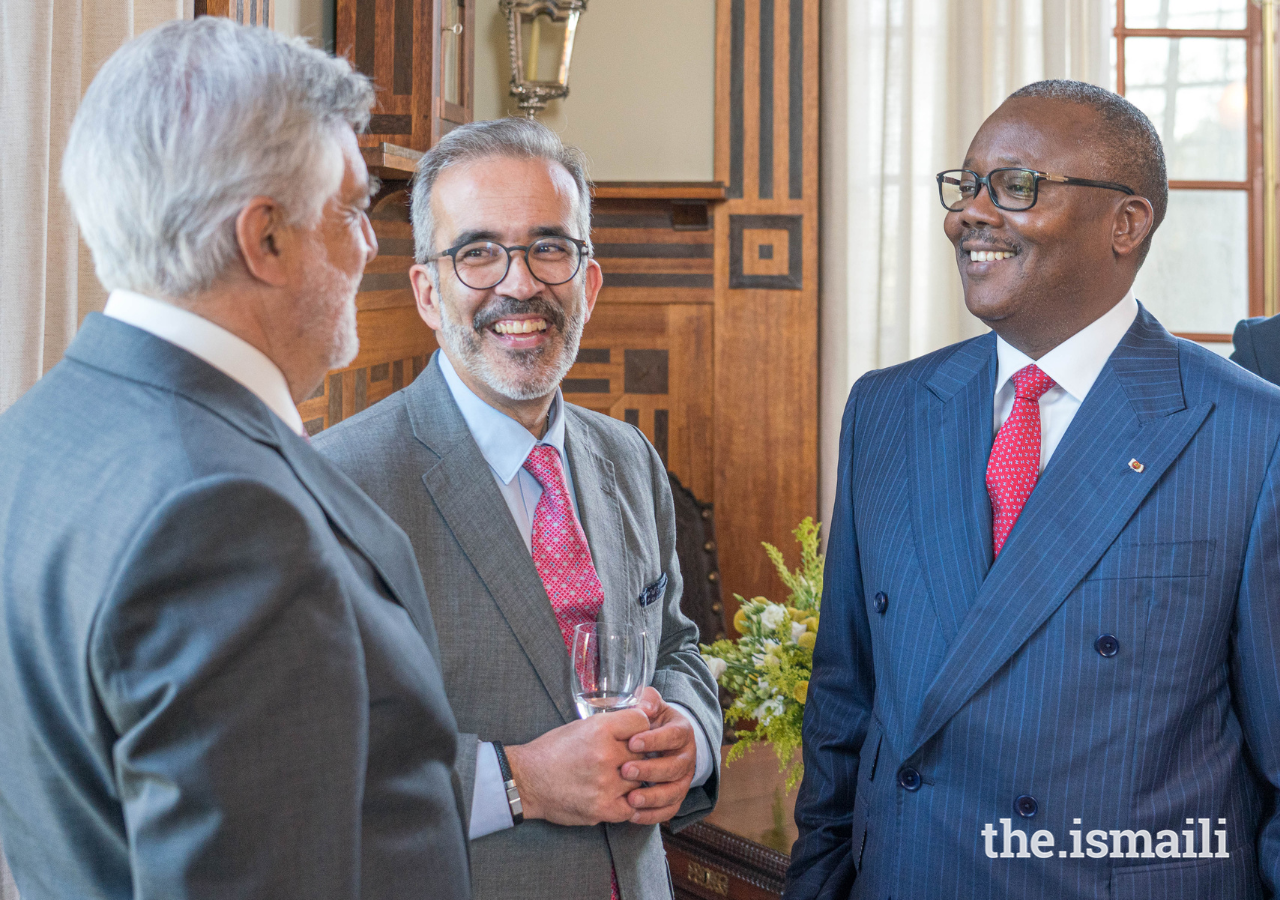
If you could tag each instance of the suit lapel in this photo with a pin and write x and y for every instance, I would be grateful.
(363, 524)
(951, 515)
(462, 487)
(1084, 498)
(596, 487)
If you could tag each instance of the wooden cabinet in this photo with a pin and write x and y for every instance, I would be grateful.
(421, 55)
(709, 863)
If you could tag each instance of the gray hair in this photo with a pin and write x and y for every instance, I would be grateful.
(514, 138)
(1130, 152)
(186, 123)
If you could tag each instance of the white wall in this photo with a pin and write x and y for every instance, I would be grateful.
(312, 19)
(641, 87)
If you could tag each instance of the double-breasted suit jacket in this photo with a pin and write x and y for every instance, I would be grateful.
(1116, 668)
(506, 667)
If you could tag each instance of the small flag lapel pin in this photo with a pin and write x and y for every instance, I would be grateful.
(1136, 466)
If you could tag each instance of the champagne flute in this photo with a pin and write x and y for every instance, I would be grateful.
(608, 667)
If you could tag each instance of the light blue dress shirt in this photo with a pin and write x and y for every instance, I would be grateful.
(505, 444)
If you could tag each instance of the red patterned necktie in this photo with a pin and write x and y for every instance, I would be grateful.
(1014, 465)
(563, 558)
(560, 551)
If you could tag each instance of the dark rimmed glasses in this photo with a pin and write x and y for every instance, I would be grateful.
(481, 265)
(1012, 189)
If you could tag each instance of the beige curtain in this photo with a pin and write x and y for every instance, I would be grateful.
(49, 52)
(905, 84)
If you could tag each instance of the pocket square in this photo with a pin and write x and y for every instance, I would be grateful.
(654, 591)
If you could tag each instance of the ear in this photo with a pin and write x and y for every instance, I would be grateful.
(425, 295)
(595, 281)
(1133, 221)
(263, 242)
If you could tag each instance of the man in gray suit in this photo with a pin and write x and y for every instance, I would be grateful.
(218, 672)
(530, 516)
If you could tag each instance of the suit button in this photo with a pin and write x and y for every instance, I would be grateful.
(1026, 806)
(909, 778)
(881, 602)
(1107, 645)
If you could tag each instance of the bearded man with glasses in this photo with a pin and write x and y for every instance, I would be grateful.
(529, 516)
(1048, 665)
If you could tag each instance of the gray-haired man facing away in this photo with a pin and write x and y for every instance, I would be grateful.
(218, 673)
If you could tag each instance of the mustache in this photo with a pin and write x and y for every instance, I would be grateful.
(984, 236)
(503, 307)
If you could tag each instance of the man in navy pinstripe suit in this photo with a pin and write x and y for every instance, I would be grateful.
(1048, 664)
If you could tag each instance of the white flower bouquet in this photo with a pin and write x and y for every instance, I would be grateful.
(767, 669)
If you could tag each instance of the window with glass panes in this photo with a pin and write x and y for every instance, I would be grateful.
(1194, 67)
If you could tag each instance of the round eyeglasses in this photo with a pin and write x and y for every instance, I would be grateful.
(481, 265)
(1011, 189)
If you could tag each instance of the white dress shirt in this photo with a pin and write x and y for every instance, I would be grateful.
(505, 444)
(233, 356)
(1074, 365)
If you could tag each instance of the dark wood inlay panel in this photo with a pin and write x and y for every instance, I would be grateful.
(654, 251)
(661, 422)
(624, 220)
(395, 247)
(737, 79)
(366, 19)
(402, 54)
(386, 281)
(795, 103)
(384, 124)
(362, 389)
(593, 355)
(793, 280)
(335, 398)
(585, 385)
(645, 371)
(765, 177)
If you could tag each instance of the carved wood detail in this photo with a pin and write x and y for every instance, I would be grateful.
(709, 863)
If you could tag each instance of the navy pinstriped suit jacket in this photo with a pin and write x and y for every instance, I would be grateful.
(969, 685)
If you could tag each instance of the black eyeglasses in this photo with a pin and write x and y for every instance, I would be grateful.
(481, 265)
(1011, 189)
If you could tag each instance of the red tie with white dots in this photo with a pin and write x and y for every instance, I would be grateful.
(1014, 465)
(563, 558)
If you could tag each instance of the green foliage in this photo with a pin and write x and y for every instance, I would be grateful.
(767, 668)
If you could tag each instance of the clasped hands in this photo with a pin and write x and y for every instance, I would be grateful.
(633, 765)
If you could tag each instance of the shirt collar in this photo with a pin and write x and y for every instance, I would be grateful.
(1075, 364)
(504, 443)
(233, 356)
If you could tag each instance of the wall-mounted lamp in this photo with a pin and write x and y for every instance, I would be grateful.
(526, 21)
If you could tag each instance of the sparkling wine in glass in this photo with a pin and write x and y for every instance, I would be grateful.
(608, 667)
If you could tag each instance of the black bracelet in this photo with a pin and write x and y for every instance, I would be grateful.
(509, 783)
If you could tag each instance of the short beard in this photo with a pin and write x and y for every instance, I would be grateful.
(331, 320)
(536, 372)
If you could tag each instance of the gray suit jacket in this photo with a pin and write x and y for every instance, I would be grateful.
(218, 672)
(1257, 347)
(505, 665)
